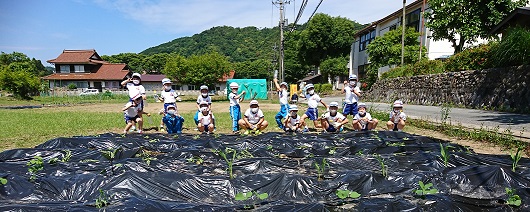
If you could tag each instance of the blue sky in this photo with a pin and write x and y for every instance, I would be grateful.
(42, 29)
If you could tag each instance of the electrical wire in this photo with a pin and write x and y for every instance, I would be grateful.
(315, 10)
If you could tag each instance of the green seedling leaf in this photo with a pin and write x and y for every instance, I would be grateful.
(354, 195)
(53, 161)
(67, 156)
(263, 196)
(3, 181)
(513, 199)
(240, 197)
(342, 194)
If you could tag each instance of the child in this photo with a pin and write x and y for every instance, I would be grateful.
(397, 117)
(204, 97)
(235, 109)
(312, 103)
(363, 120)
(132, 113)
(333, 121)
(134, 86)
(205, 120)
(292, 121)
(352, 96)
(253, 119)
(284, 102)
(173, 120)
(169, 96)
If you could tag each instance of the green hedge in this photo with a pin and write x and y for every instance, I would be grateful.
(420, 68)
(475, 58)
(323, 88)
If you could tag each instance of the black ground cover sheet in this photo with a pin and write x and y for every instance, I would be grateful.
(159, 172)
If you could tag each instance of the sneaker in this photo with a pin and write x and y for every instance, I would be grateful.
(133, 128)
(196, 129)
(140, 131)
(306, 130)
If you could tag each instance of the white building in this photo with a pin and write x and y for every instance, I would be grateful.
(413, 18)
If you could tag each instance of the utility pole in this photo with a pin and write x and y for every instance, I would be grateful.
(281, 3)
(403, 34)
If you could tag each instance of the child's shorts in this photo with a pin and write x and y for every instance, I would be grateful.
(128, 118)
(350, 109)
(312, 113)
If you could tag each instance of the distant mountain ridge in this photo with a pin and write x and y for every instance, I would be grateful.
(239, 44)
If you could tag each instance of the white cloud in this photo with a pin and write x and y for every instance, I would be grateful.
(194, 16)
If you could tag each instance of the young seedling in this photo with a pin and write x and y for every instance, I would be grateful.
(513, 199)
(110, 154)
(343, 194)
(269, 148)
(425, 189)
(397, 143)
(515, 158)
(229, 155)
(321, 168)
(359, 153)
(332, 150)
(444, 154)
(34, 166)
(242, 196)
(196, 137)
(195, 159)
(67, 155)
(102, 200)
(3, 181)
(384, 168)
(146, 157)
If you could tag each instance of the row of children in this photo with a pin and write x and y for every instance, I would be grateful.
(253, 119)
(332, 120)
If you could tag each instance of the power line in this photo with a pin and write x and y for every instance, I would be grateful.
(315, 10)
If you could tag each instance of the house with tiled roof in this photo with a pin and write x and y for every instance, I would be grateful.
(86, 69)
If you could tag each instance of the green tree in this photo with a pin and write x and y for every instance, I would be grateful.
(133, 60)
(326, 37)
(154, 64)
(334, 67)
(198, 69)
(257, 69)
(294, 69)
(463, 21)
(19, 80)
(386, 51)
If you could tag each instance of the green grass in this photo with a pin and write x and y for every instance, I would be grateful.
(26, 128)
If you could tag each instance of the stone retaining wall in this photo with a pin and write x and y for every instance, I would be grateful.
(504, 89)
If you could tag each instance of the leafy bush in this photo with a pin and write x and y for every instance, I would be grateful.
(420, 68)
(72, 86)
(476, 58)
(326, 88)
(514, 48)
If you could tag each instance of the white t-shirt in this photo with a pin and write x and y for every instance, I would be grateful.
(400, 115)
(207, 99)
(334, 120)
(312, 101)
(135, 89)
(254, 118)
(284, 97)
(132, 111)
(367, 116)
(294, 121)
(233, 100)
(351, 97)
(205, 119)
(169, 96)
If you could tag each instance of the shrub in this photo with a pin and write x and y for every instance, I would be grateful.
(514, 48)
(475, 58)
(420, 68)
(72, 86)
(326, 88)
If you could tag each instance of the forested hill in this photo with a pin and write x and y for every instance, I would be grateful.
(239, 44)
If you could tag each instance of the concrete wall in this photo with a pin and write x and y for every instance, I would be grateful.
(502, 88)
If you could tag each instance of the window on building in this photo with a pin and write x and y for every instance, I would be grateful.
(112, 84)
(366, 39)
(79, 68)
(191, 87)
(176, 87)
(413, 19)
(64, 69)
(362, 69)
